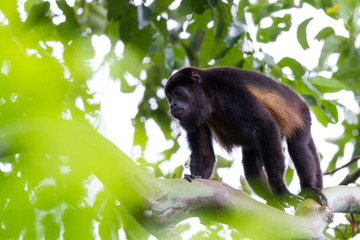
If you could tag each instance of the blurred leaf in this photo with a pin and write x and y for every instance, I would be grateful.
(234, 33)
(169, 58)
(301, 33)
(47, 197)
(289, 175)
(263, 9)
(330, 109)
(245, 186)
(144, 16)
(129, 24)
(210, 48)
(140, 137)
(324, 33)
(132, 228)
(327, 84)
(83, 229)
(232, 57)
(333, 43)
(222, 20)
(161, 26)
(125, 87)
(68, 12)
(37, 14)
(180, 55)
(113, 30)
(296, 68)
(182, 227)
(199, 6)
(116, 9)
(200, 21)
(279, 25)
(309, 99)
(348, 71)
(333, 9)
(223, 162)
(52, 228)
(323, 116)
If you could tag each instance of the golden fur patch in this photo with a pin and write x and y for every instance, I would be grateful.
(286, 115)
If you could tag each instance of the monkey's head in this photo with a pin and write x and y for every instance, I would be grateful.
(188, 101)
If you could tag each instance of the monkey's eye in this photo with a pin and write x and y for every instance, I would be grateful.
(178, 92)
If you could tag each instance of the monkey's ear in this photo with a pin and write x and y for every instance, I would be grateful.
(196, 77)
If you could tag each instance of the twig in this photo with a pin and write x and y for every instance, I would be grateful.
(351, 178)
(344, 166)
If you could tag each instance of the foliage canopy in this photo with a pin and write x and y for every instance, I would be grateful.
(46, 53)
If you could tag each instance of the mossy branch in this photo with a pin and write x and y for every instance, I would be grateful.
(158, 204)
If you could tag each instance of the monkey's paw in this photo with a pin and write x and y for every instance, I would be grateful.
(314, 194)
(191, 177)
(288, 199)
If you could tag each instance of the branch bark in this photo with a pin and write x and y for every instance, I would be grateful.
(351, 178)
(159, 204)
(354, 159)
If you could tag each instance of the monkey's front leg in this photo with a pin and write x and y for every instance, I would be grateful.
(202, 157)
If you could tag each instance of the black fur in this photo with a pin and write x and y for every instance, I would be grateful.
(248, 109)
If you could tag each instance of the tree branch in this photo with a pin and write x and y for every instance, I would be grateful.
(354, 159)
(350, 178)
(158, 204)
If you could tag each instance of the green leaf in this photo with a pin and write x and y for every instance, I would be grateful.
(144, 16)
(136, 50)
(140, 137)
(129, 24)
(332, 44)
(321, 116)
(199, 6)
(169, 58)
(232, 57)
(289, 175)
(296, 68)
(116, 9)
(331, 109)
(301, 33)
(223, 162)
(46, 198)
(324, 33)
(210, 48)
(326, 85)
(271, 33)
(348, 71)
(234, 33)
(113, 30)
(37, 14)
(212, 3)
(220, 20)
(125, 87)
(180, 55)
(51, 227)
(326, 112)
(199, 22)
(68, 12)
(309, 99)
(161, 27)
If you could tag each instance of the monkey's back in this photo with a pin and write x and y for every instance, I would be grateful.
(283, 104)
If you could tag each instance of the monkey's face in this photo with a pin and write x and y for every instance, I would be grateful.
(180, 102)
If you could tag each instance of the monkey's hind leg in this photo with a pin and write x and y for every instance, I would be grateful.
(304, 155)
(256, 177)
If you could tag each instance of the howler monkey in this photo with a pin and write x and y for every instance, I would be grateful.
(248, 109)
